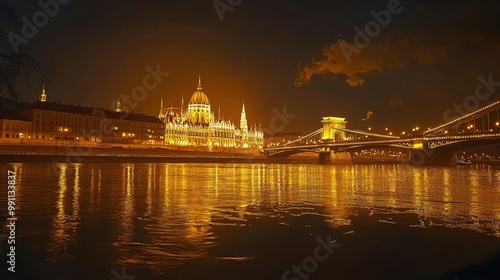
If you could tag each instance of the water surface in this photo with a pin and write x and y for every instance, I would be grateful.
(251, 221)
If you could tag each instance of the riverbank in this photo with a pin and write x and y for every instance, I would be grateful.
(185, 158)
(77, 154)
(142, 153)
(489, 162)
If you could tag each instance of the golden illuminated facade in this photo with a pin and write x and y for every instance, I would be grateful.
(198, 127)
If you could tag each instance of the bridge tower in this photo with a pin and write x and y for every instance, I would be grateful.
(331, 134)
(329, 131)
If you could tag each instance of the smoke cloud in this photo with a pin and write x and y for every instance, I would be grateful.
(387, 54)
(369, 114)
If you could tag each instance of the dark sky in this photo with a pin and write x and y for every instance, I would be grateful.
(427, 57)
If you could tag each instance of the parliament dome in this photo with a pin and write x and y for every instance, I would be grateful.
(199, 97)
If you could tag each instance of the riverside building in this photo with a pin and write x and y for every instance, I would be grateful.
(50, 123)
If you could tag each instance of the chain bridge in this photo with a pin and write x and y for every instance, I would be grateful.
(434, 146)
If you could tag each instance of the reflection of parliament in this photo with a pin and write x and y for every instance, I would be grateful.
(196, 126)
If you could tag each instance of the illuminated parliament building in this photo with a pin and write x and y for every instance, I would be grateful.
(197, 125)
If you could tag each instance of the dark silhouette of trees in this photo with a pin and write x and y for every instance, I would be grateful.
(15, 65)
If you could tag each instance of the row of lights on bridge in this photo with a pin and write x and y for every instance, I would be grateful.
(416, 129)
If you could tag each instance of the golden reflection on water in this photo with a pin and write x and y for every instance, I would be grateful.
(417, 188)
(180, 206)
(127, 212)
(95, 183)
(64, 226)
(447, 197)
(333, 184)
(76, 194)
(59, 237)
(474, 211)
(92, 189)
(151, 186)
(18, 171)
(393, 186)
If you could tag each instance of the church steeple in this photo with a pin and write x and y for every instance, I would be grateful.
(43, 96)
(118, 106)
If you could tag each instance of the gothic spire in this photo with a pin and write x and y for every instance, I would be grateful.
(182, 104)
(243, 119)
(199, 82)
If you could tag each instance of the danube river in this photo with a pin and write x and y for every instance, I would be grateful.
(252, 221)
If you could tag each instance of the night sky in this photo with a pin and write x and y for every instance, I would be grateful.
(272, 54)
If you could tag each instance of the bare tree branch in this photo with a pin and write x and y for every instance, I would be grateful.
(14, 66)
